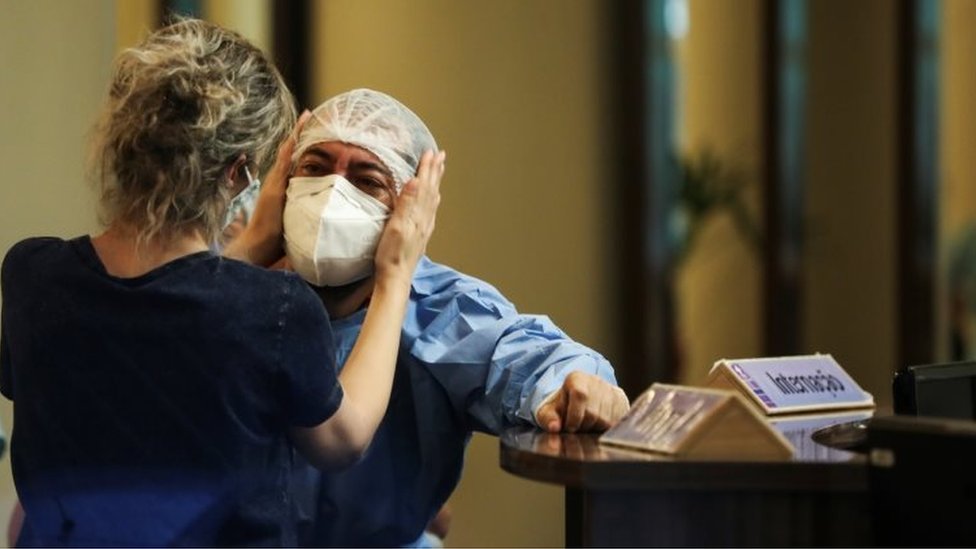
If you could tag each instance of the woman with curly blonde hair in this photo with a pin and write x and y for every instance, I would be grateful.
(160, 389)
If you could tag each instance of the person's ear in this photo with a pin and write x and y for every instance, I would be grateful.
(236, 171)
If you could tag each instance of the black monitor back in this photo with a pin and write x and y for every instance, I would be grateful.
(923, 488)
(936, 390)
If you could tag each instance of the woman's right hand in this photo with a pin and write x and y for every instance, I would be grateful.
(412, 222)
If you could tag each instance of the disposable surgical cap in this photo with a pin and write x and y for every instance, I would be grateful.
(376, 122)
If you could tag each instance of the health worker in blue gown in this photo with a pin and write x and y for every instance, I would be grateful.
(468, 360)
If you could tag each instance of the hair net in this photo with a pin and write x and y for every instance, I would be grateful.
(374, 121)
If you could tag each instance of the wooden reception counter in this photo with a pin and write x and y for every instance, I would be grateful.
(617, 497)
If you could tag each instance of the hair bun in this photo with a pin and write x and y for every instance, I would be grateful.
(183, 105)
(179, 107)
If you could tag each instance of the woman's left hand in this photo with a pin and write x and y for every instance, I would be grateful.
(260, 243)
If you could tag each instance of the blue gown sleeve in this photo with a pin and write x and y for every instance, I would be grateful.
(496, 365)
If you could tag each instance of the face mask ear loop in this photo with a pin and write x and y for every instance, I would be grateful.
(244, 200)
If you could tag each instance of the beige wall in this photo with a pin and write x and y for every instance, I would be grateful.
(850, 255)
(719, 296)
(957, 201)
(55, 59)
(958, 117)
(515, 92)
(134, 19)
(849, 299)
(251, 18)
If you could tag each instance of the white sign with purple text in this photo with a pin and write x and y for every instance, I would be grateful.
(795, 383)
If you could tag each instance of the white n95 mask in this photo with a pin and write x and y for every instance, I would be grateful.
(331, 229)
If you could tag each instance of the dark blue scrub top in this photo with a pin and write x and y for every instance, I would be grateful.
(154, 410)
